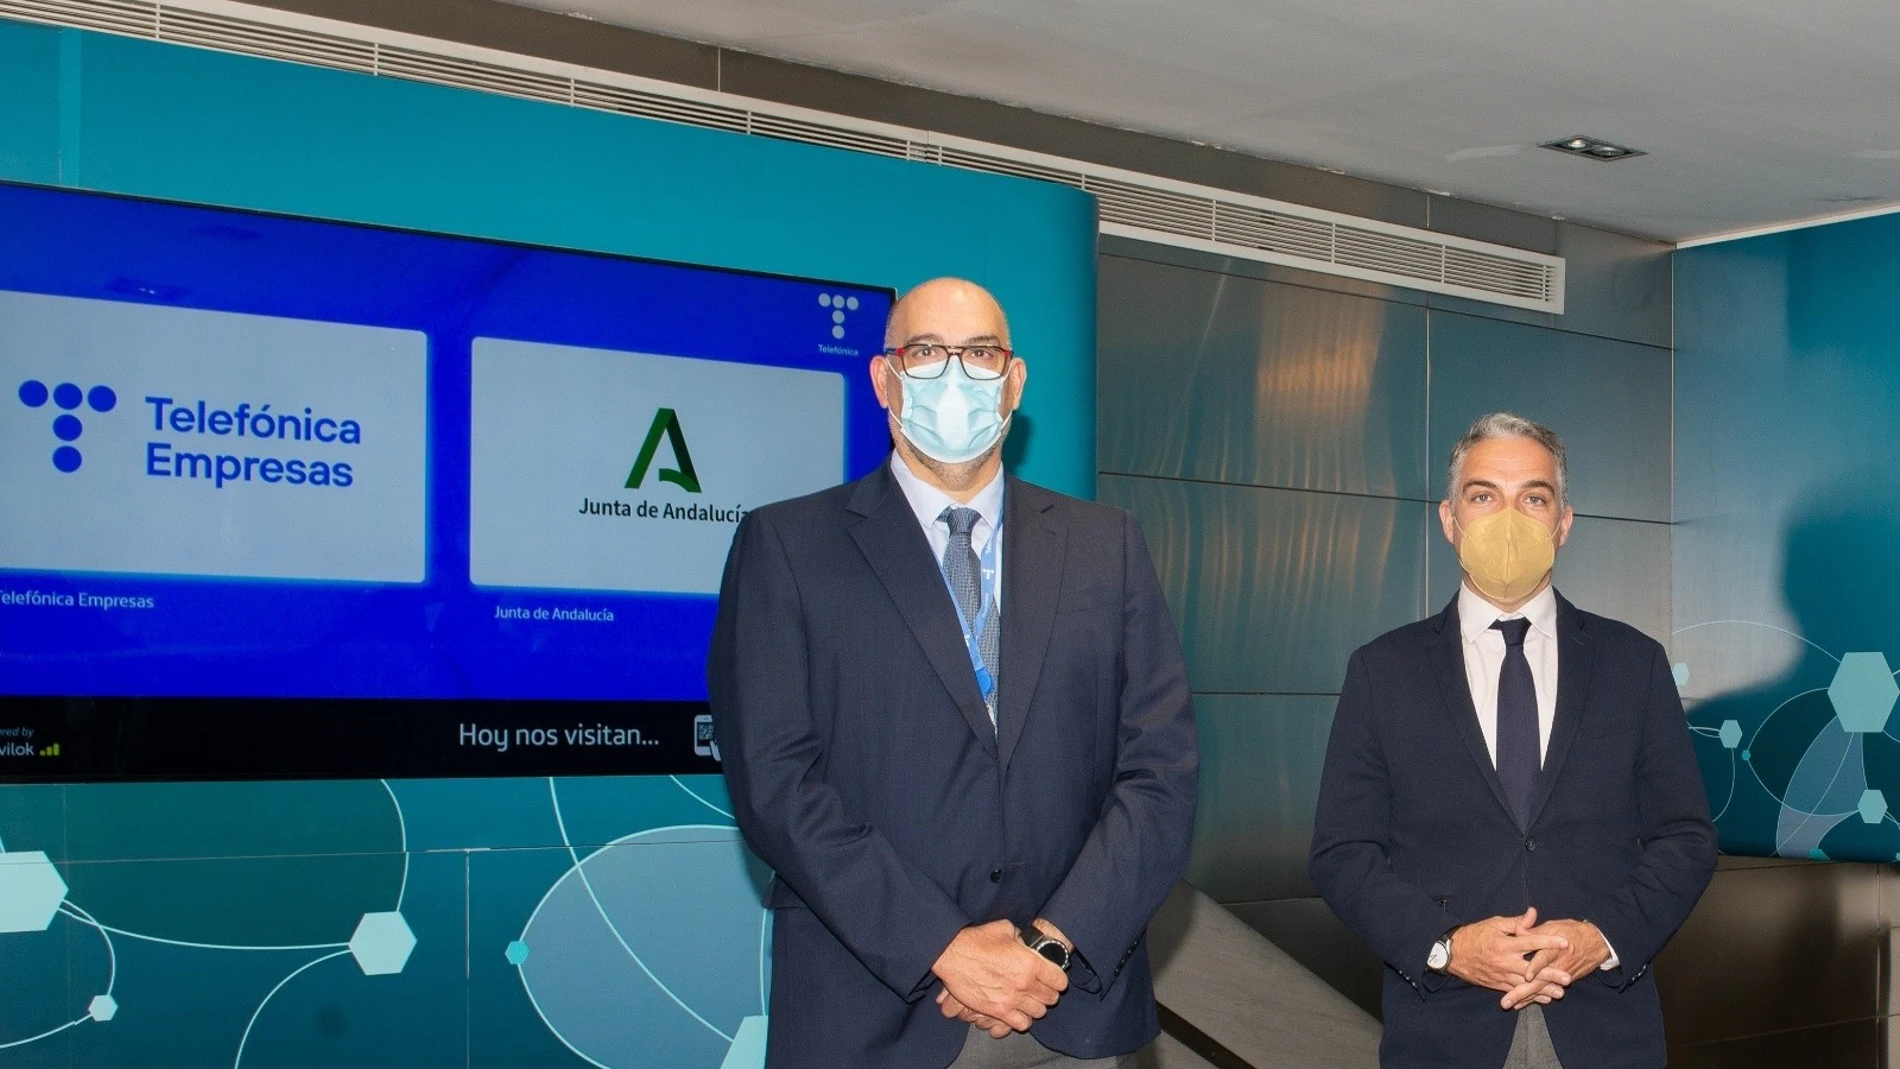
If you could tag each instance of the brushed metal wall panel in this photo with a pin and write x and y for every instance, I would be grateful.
(1888, 877)
(1167, 1052)
(1488, 222)
(1210, 376)
(1311, 935)
(1250, 996)
(1610, 401)
(1851, 1045)
(1274, 589)
(1260, 765)
(1774, 949)
(1615, 286)
(1614, 568)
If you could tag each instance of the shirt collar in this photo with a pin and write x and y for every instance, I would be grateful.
(1476, 615)
(928, 502)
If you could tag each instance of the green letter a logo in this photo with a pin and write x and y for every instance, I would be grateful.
(665, 422)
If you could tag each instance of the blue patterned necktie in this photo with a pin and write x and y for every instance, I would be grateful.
(965, 574)
(1518, 758)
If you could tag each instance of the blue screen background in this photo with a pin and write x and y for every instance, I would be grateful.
(259, 638)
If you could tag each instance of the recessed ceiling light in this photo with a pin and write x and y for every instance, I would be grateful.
(1594, 148)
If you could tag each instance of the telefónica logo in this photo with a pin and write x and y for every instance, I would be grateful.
(67, 427)
(839, 304)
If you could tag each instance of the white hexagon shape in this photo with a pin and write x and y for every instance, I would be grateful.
(1873, 806)
(30, 891)
(1731, 734)
(1863, 692)
(382, 943)
(103, 1008)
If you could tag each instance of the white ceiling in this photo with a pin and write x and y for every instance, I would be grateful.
(1754, 112)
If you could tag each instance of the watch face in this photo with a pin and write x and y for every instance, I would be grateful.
(1055, 952)
(1439, 957)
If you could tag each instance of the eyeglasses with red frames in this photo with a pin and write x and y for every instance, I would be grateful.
(929, 360)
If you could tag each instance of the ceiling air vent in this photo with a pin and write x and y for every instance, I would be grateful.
(657, 106)
(187, 27)
(828, 134)
(1271, 231)
(1131, 204)
(990, 163)
(420, 66)
(1134, 204)
(112, 16)
(1396, 254)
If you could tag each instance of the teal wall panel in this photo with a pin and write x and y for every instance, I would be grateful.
(611, 921)
(1786, 576)
(30, 135)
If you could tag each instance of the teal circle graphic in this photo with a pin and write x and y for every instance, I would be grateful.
(652, 949)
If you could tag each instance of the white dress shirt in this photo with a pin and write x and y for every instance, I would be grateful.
(928, 503)
(1484, 660)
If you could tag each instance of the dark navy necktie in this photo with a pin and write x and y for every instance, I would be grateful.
(1518, 756)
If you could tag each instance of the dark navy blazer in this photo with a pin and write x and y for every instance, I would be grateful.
(864, 769)
(1413, 836)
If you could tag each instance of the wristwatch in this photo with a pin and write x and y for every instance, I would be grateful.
(1440, 958)
(1051, 949)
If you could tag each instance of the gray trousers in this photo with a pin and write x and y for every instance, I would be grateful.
(1019, 1050)
(1530, 1046)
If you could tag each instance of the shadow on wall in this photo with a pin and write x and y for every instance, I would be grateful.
(1022, 429)
(1804, 766)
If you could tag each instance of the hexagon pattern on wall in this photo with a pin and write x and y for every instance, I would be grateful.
(1863, 692)
(1873, 806)
(30, 891)
(382, 943)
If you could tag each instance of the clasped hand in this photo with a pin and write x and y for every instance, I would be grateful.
(993, 981)
(1527, 961)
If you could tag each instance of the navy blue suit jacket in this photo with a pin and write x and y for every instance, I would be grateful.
(864, 769)
(1413, 836)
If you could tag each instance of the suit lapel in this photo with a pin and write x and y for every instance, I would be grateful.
(1033, 555)
(1575, 654)
(1447, 653)
(888, 535)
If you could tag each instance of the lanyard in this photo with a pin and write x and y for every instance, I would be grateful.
(986, 614)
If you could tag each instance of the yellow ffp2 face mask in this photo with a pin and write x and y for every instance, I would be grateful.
(1507, 554)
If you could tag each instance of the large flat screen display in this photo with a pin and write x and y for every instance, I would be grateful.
(289, 497)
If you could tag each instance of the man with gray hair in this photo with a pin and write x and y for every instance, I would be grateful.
(1510, 814)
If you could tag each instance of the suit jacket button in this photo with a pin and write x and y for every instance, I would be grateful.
(996, 875)
(1530, 844)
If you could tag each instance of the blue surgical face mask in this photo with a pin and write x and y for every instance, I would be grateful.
(953, 417)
